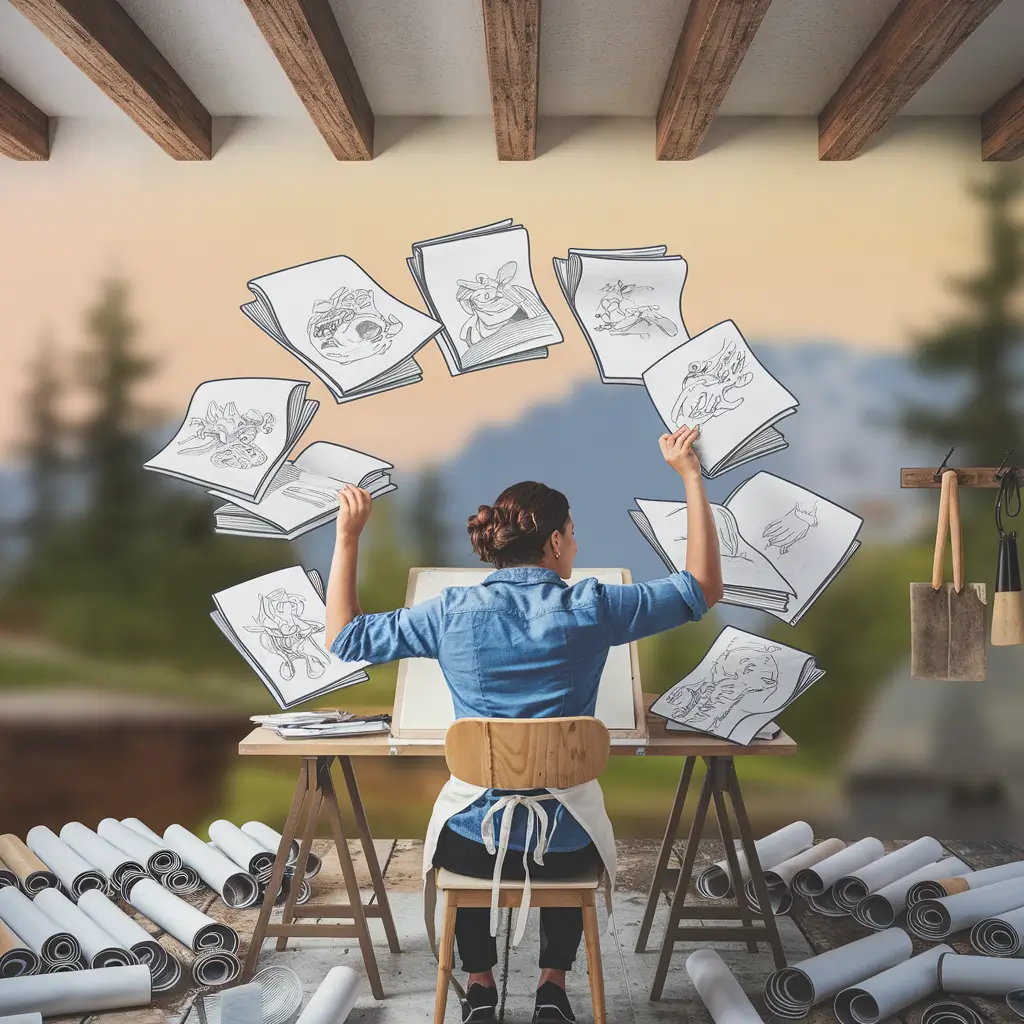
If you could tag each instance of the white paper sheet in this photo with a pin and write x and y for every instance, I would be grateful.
(778, 878)
(934, 920)
(54, 944)
(75, 873)
(99, 947)
(191, 927)
(241, 848)
(156, 859)
(23, 1018)
(427, 702)
(881, 908)
(334, 999)
(278, 996)
(1002, 935)
(716, 882)
(849, 890)
(816, 880)
(237, 888)
(112, 988)
(719, 990)
(980, 975)
(792, 991)
(893, 990)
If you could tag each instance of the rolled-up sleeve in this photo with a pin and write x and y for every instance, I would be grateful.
(636, 610)
(387, 636)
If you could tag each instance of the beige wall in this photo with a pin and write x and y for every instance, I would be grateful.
(789, 247)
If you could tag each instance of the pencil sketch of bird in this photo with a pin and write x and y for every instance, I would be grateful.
(785, 531)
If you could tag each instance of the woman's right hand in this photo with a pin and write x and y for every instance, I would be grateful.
(678, 451)
(354, 505)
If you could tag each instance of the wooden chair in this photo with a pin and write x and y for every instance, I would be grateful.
(524, 754)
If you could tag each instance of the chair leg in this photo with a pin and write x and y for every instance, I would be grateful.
(445, 957)
(592, 938)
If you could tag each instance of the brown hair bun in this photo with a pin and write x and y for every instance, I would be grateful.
(515, 529)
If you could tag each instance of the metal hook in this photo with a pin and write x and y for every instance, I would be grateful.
(938, 473)
(1002, 470)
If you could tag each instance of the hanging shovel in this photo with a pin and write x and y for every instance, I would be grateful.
(947, 620)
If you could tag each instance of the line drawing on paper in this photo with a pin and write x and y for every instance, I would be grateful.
(309, 494)
(744, 678)
(731, 545)
(791, 528)
(348, 326)
(228, 436)
(493, 302)
(619, 314)
(286, 634)
(706, 389)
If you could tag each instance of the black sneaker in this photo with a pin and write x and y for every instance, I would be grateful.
(479, 1005)
(553, 1004)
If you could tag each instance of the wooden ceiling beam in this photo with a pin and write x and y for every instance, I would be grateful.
(916, 40)
(1002, 127)
(512, 42)
(24, 128)
(715, 38)
(307, 41)
(103, 41)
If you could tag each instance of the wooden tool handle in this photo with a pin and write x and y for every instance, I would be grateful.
(942, 530)
(955, 532)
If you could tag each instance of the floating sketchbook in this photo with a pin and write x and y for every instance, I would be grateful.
(715, 380)
(781, 544)
(626, 302)
(303, 493)
(276, 622)
(356, 337)
(739, 687)
(423, 703)
(237, 433)
(479, 284)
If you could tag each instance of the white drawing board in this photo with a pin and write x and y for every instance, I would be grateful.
(423, 704)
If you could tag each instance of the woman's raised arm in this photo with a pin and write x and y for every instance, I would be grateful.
(354, 506)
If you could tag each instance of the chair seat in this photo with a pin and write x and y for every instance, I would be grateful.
(590, 879)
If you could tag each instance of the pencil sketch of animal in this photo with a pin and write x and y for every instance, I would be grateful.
(743, 679)
(619, 314)
(707, 387)
(494, 302)
(348, 326)
(285, 633)
(731, 544)
(228, 436)
(790, 528)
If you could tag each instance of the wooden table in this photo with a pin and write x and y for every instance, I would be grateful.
(316, 793)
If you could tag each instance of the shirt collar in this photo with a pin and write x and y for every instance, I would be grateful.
(524, 574)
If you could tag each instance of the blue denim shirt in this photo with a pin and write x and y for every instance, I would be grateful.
(523, 644)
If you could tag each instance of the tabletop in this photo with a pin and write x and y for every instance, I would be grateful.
(660, 743)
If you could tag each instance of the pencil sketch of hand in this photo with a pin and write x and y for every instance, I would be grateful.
(228, 436)
(785, 531)
(284, 633)
(707, 388)
(348, 326)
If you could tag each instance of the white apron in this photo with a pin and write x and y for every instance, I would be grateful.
(585, 803)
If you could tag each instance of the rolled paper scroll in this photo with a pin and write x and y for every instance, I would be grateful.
(7, 876)
(215, 967)
(191, 927)
(31, 872)
(949, 1011)
(271, 840)
(715, 883)
(849, 890)
(99, 947)
(156, 859)
(1000, 936)
(814, 881)
(242, 848)
(16, 956)
(56, 946)
(980, 975)
(719, 990)
(793, 991)
(895, 989)
(334, 1000)
(118, 867)
(881, 908)
(934, 920)
(75, 873)
(112, 988)
(237, 888)
(779, 878)
(928, 890)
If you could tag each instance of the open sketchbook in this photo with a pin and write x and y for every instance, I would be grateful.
(479, 284)
(303, 493)
(781, 544)
(626, 302)
(766, 732)
(739, 687)
(356, 337)
(276, 622)
(715, 380)
(237, 433)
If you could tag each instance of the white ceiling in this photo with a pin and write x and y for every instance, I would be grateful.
(597, 57)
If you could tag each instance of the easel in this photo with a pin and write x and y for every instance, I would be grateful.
(720, 782)
(315, 793)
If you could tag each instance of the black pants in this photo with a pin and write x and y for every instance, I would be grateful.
(561, 928)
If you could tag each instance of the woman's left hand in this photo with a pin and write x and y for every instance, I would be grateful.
(354, 505)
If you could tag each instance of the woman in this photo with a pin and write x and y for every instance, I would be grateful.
(523, 644)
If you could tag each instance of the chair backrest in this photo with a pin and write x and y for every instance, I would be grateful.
(527, 753)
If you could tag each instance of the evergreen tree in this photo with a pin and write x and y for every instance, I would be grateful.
(426, 519)
(43, 447)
